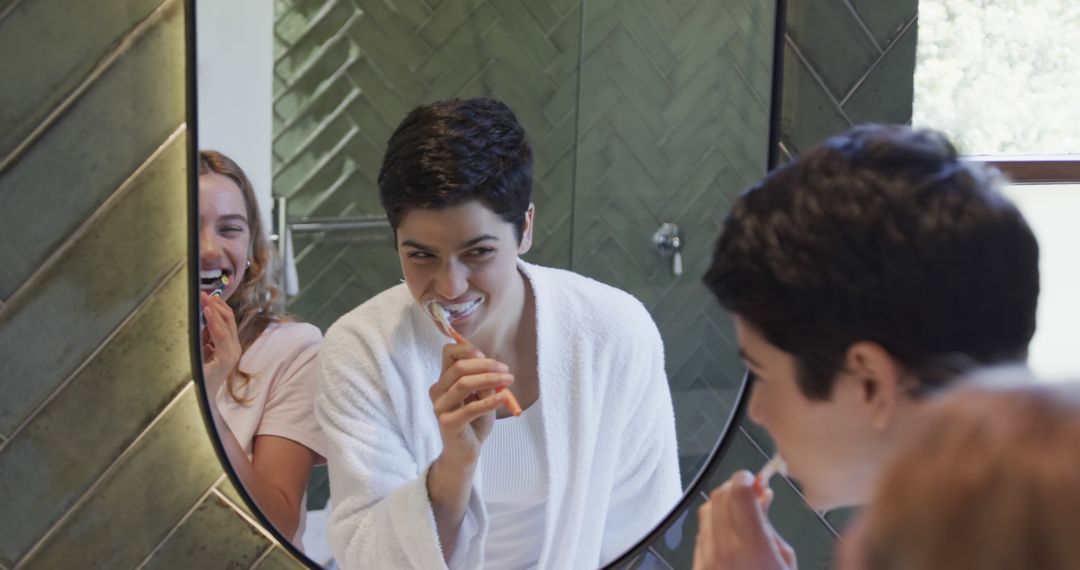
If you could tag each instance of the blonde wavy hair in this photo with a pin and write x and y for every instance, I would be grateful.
(257, 302)
(992, 481)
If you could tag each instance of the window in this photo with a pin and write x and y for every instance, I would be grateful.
(1002, 79)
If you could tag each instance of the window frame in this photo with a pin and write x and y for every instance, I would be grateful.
(1035, 169)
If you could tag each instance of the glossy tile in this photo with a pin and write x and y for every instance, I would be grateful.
(229, 490)
(65, 176)
(809, 113)
(886, 19)
(649, 561)
(213, 536)
(887, 93)
(841, 518)
(834, 43)
(48, 330)
(67, 40)
(279, 559)
(78, 434)
(135, 506)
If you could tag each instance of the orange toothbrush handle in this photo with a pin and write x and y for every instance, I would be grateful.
(511, 402)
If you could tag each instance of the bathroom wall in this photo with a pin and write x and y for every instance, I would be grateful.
(104, 459)
(846, 62)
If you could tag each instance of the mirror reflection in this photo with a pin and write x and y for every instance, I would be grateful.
(258, 364)
(558, 217)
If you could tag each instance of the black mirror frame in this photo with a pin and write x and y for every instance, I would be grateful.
(696, 487)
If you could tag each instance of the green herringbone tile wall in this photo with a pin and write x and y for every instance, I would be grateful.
(674, 123)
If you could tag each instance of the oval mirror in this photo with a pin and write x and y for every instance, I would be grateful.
(643, 118)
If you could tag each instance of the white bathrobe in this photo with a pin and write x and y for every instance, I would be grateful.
(612, 467)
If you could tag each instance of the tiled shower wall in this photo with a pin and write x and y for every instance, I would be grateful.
(104, 460)
(846, 62)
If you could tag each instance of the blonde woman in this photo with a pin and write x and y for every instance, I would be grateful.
(992, 482)
(258, 364)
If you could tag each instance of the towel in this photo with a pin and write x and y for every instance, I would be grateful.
(612, 462)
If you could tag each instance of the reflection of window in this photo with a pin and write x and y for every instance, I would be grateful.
(1053, 211)
(1002, 79)
(1000, 76)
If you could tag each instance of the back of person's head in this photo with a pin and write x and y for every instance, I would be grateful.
(881, 234)
(451, 152)
(991, 481)
(257, 300)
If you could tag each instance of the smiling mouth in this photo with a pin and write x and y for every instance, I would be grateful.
(462, 310)
(213, 279)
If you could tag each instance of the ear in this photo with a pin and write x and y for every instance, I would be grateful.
(527, 230)
(878, 381)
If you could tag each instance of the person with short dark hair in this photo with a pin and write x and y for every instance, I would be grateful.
(427, 468)
(862, 275)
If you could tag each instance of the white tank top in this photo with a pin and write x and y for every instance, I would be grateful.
(515, 489)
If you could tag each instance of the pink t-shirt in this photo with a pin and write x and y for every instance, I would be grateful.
(280, 398)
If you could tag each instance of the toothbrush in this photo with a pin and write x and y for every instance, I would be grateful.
(438, 313)
(223, 282)
(772, 467)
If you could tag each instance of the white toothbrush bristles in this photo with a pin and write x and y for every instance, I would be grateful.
(774, 466)
(438, 312)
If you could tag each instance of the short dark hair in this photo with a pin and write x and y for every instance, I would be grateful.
(883, 234)
(448, 153)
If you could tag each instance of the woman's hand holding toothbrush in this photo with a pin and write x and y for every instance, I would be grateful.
(221, 342)
(734, 532)
(465, 399)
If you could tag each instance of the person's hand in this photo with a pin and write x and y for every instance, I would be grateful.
(221, 342)
(465, 400)
(735, 534)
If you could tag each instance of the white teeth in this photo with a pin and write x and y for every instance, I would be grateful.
(462, 307)
(211, 274)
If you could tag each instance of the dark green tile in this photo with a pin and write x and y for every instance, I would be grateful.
(887, 94)
(446, 20)
(808, 114)
(801, 527)
(214, 536)
(886, 18)
(72, 441)
(676, 545)
(841, 518)
(279, 559)
(829, 35)
(98, 143)
(67, 39)
(49, 329)
(229, 490)
(649, 561)
(137, 504)
(318, 489)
